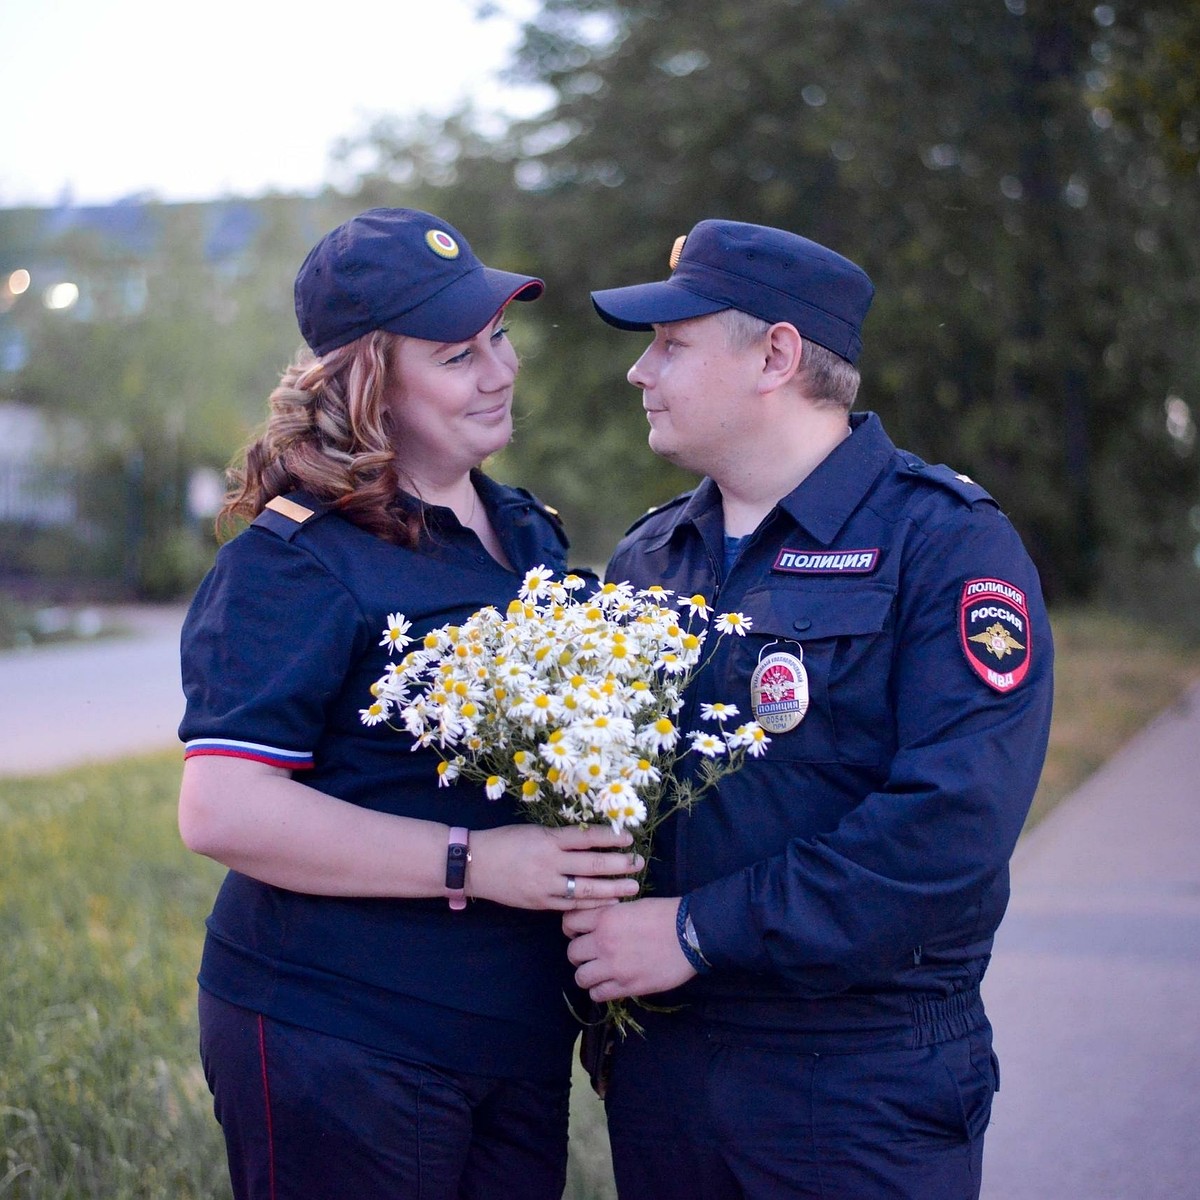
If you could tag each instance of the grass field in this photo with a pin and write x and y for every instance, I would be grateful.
(101, 915)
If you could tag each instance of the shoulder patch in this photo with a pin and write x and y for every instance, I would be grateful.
(994, 632)
(290, 509)
(285, 516)
(654, 510)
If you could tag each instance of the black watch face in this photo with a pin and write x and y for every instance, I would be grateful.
(456, 865)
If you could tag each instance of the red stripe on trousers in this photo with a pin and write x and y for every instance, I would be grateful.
(262, 1055)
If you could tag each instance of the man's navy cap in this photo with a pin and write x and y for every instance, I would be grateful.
(770, 273)
(404, 271)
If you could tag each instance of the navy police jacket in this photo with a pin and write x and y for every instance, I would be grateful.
(280, 648)
(861, 864)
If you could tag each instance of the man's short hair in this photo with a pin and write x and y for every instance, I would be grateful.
(826, 378)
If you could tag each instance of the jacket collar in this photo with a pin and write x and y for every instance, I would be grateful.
(824, 501)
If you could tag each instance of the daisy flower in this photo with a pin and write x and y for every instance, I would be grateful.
(375, 713)
(706, 744)
(395, 635)
(621, 805)
(718, 711)
(660, 734)
(733, 622)
(643, 772)
(537, 582)
(697, 605)
(751, 736)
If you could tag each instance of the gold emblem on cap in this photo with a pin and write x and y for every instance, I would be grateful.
(441, 243)
(677, 250)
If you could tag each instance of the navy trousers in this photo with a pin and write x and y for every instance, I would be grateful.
(312, 1117)
(702, 1111)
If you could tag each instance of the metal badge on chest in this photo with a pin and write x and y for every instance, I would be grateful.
(779, 689)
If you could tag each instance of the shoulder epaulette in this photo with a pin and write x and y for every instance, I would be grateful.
(657, 509)
(962, 486)
(547, 510)
(286, 515)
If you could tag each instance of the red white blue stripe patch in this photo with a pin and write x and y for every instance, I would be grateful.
(826, 562)
(273, 756)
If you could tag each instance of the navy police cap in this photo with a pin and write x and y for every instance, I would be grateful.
(404, 271)
(770, 273)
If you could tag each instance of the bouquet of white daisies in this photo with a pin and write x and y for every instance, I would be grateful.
(568, 703)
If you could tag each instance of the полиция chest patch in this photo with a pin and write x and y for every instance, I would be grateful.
(825, 562)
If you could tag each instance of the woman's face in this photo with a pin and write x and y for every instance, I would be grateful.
(452, 402)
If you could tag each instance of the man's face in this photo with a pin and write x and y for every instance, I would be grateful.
(697, 393)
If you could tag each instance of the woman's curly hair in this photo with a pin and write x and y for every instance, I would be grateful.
(329, 433)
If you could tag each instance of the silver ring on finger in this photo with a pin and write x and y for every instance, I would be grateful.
(570, 890)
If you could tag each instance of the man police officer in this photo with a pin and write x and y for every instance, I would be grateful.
(816, 931)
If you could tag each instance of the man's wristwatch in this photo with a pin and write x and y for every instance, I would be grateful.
(458, 855)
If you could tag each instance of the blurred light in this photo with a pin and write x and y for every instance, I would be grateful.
(1104, 14)
(939, 157)
(61, 296)
(685, 63)
(813, 95)
(18, 281)
(1179, 421)
(1076, 192)
(1016, 7)
(1010, 187)
(205, 493)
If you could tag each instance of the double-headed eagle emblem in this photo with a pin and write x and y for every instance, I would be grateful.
(998, 640)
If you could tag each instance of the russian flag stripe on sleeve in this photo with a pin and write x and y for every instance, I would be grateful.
(273, 756)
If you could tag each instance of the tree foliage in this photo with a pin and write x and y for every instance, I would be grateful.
(165, 366)
(1031, 242)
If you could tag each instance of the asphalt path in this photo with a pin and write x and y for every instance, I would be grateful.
(1094, 986)
(70, 704)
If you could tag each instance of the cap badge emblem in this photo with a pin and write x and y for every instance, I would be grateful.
(779, 691)
(441, 243)
(677, 250)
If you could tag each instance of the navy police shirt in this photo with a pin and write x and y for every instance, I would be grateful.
(900, 643)
(280, 648)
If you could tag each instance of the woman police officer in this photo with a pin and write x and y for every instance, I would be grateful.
(363, 1036)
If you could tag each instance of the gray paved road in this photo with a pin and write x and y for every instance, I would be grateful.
(1094, 988)
(72, 704)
